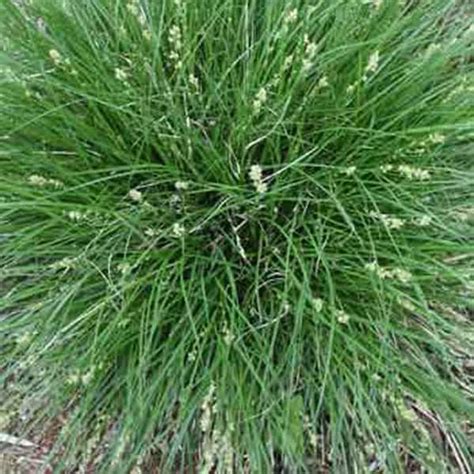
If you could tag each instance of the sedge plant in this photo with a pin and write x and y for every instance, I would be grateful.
(237, 235)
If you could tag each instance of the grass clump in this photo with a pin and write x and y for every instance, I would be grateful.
(235, 235)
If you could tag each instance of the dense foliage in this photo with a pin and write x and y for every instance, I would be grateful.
(235, 234)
